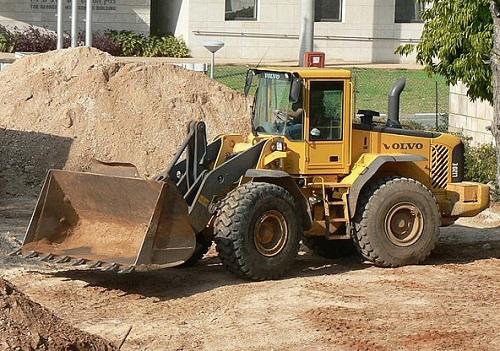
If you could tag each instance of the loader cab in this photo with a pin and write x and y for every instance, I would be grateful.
(311, 109)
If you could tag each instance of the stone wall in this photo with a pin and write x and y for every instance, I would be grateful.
(108, 14)
(468, 117)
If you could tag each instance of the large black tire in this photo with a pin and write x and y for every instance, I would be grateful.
(330, 248)
(396, 222)
(202, 246)
(257, 231)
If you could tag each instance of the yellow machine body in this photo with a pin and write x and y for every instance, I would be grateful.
(360, 147)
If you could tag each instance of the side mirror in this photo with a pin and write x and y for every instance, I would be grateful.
(295, 90)
(315, 132)
(248, 81)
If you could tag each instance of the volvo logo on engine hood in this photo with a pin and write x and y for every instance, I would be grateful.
(404, 146)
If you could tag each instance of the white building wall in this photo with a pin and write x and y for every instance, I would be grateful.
(131, 15)
(367, 32)
(468, 117)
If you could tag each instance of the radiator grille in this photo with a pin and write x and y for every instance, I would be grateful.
(439, 170)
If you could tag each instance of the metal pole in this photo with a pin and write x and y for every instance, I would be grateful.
(88, 24)
(60, 7)
(437, 107)
(306, 37)
(74, 19)
(212, 66)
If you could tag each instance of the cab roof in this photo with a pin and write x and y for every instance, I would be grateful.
(311, 72)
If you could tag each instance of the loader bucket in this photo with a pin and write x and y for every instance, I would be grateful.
(118, 220)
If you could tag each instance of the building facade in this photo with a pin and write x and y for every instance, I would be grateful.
(346, 30)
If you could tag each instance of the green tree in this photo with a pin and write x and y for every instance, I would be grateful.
(456, 42)
(461, 41)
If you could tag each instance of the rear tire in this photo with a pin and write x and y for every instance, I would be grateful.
(257, 231)
(396, 222)
(330, 248)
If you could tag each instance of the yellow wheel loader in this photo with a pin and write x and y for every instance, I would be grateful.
(310, 171)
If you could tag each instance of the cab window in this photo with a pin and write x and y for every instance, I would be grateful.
(274, 112)
(326, 111)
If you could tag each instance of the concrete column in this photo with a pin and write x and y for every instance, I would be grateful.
(306, 39)
(60, 11)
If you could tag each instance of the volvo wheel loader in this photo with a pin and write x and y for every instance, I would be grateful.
(311, 171)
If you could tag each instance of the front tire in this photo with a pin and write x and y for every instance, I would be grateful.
(257, 231)
(396, 222)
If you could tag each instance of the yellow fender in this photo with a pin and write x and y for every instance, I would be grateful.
(364, 170)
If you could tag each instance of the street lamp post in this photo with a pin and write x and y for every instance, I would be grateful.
(213, 46)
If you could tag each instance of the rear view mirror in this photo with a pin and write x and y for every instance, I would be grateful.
(248, 81)
(295, 90)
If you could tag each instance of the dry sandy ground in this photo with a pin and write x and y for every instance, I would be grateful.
(450, 303)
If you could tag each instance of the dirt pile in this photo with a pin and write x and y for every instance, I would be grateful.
(63, 108)
(25, 325)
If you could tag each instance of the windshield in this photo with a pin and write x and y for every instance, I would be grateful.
(274, 113)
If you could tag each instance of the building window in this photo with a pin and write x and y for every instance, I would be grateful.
(328, 11)
(408, 11)
(241, 10)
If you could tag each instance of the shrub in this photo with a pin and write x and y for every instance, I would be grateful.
(133, 44)
(7, 40)
(32, 39)
(480, 163)
(117, 43)
(104, 43)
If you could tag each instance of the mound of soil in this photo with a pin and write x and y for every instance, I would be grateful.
(64, 108)
(25, 325)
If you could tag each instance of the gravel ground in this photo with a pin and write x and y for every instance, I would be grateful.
(449, 303)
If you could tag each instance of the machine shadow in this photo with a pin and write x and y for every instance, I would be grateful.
(25, 158)
(209, 274)
(457, 245)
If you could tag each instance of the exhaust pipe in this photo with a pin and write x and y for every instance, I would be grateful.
(393, 111)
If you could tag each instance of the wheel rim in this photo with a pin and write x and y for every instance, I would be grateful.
(270, 233)
(404, 224)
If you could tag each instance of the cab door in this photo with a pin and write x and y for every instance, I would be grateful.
(328, 128)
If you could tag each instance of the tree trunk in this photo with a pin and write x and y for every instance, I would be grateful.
(495, 66)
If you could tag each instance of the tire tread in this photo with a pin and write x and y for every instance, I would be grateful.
(363, 212)
(231, 220)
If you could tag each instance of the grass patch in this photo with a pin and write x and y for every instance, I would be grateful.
(372, 87)
(232, 76)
